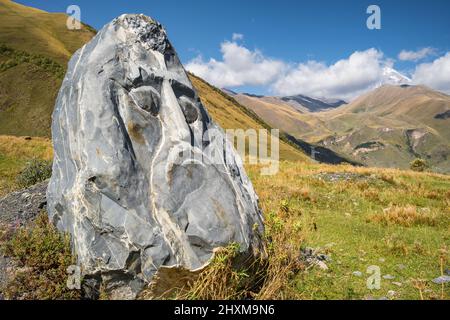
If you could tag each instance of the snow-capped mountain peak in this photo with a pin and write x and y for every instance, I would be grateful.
(392, 76)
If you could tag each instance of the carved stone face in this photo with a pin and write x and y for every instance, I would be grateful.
(120, 184)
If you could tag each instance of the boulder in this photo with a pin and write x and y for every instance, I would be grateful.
(21, 207)
(143, 179)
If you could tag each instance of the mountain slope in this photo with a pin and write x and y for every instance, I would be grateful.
(291, 117)
(391, 126)
(312, 104)
(34, 49)
(301, 103)
(36, 31)
(387, 127)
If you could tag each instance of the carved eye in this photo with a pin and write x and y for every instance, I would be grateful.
(187, 99)
(189, 109)
(181, 89)
(147, 98)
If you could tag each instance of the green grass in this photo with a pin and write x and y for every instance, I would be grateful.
(14, 57)
(28, 88)
(335, 217)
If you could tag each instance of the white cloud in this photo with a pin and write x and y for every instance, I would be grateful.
(239, 66)
(405, 55)
(346, 78)
(435, 74)
(237, 36)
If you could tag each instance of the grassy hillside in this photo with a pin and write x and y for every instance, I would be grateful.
(355, 217)
(360, 217)
(34, 49)
(36, 31)
(277, 113)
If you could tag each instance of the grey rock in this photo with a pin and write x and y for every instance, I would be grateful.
(388, 277)
(322, 265)
(391, 293)
(143, 179)
(21, 207)
(357, 273)
(311, 257)
(441, 279)
(323, 257)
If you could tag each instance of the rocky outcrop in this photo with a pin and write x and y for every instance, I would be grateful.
(20, 207)
(17, 209)
(444, 115)
(143, 179)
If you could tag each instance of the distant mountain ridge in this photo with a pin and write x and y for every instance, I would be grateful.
(300, 102)
(304, 103)
(389, 126)
(313, 104)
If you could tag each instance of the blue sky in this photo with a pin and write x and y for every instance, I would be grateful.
(286, 36)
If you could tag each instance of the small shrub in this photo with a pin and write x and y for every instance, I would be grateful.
(433, 195)
(34, 172)
(17, 56)
(43, 256)
(371, 194)
(418, 165)
(284, 206)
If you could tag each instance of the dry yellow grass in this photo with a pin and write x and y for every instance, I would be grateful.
(14, 153)
(406, 216)
(268, 278)
(26, 147)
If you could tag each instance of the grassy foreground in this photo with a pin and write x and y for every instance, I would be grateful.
(362, 217)
(398, 221)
